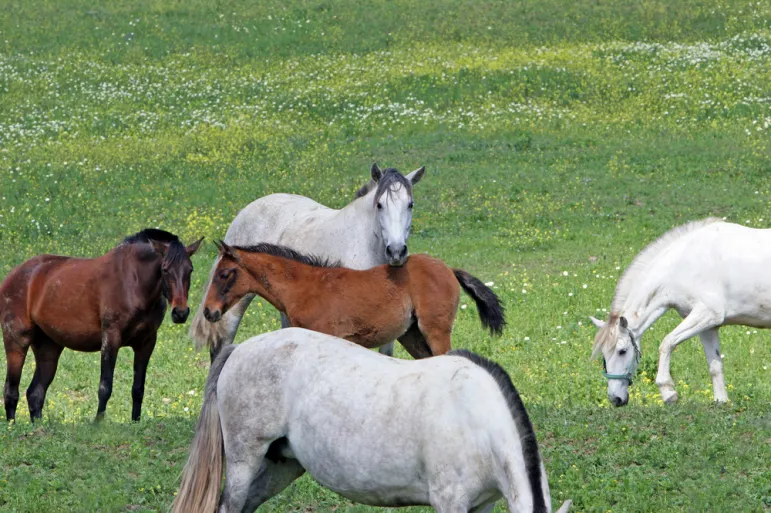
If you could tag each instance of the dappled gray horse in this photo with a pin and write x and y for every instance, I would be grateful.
(449, 432)
(371, 230)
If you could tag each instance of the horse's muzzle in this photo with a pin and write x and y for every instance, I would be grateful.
(396, 254)
(212, 316)
(179, 316)
(619, 401)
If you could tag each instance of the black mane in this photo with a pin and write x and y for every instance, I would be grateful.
(521, 420)
(390, 177)
(149, 234)
(174, 254)
(285, 252)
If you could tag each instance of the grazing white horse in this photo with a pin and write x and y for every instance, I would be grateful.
(450, 431)
(372, 230)
(712, 273)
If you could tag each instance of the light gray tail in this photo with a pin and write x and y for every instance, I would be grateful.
(199, 490)
(210, 334)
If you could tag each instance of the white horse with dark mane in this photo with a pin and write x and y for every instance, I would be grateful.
(712, 273)
(372, 230)
(450, 431)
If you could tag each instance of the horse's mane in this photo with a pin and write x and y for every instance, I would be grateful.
(521, 420)
(391, 176)
(174, 254)
(606, 336)
(645, 257)
(291, 254)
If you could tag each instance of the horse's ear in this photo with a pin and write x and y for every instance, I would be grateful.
(376, 173)
(600, 324)
(416, 175)
(623, 322)
(226, 250)
(192, 248)
(160, 247)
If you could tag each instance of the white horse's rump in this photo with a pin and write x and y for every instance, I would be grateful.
(449, 431)
(712, 273)
(372, 230)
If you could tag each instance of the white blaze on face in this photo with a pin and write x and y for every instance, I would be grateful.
(394, 211)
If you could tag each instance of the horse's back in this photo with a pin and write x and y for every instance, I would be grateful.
(269, 218)
(26, 274)
(357, 420)
(722, 266)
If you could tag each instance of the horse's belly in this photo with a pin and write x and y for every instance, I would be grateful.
(72, 332)
(756, 320)
(367, 478)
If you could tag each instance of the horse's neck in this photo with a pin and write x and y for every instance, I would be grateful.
(361, 224)
(642, 307)
(274, 278)
(143, 266)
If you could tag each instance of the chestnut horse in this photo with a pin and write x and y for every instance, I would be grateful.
(54, 302)
(415, 303)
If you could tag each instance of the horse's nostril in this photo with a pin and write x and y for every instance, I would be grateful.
(206, 312)
(403, 252)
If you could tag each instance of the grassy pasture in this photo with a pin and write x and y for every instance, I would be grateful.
(559, 139)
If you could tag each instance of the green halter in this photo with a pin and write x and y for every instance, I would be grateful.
(630, 370)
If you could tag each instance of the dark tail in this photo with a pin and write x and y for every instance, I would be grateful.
(202, 476)
(490, 308)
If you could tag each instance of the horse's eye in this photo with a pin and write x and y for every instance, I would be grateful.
(380, 206)
(225, 274)
(622, 352)
(410, 205)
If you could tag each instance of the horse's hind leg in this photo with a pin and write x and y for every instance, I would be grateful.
(437, 334)
(414, 342)
(47, 355)
(16, 347)
(272, 478)
(711, 343)
(244, 464)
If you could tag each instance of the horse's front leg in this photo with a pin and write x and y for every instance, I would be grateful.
(387, 349)
(700, 319)
(711, 343)
(142, 354)
(111, 341)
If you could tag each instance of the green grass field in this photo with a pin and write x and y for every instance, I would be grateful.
(559, 139)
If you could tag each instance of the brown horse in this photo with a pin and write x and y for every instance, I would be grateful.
(102, 304)
(415, 303)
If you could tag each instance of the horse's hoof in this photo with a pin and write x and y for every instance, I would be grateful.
(669, 396)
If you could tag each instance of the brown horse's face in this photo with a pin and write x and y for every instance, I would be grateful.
(175, 281)
(227, 286)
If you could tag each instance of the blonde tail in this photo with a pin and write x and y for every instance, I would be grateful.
(203, 332)
(199, 491)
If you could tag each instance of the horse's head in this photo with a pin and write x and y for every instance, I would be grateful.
(176, 269)
(392, 201)
(226, 287)
(620, 353)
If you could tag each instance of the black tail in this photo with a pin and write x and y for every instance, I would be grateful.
(489, 306)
